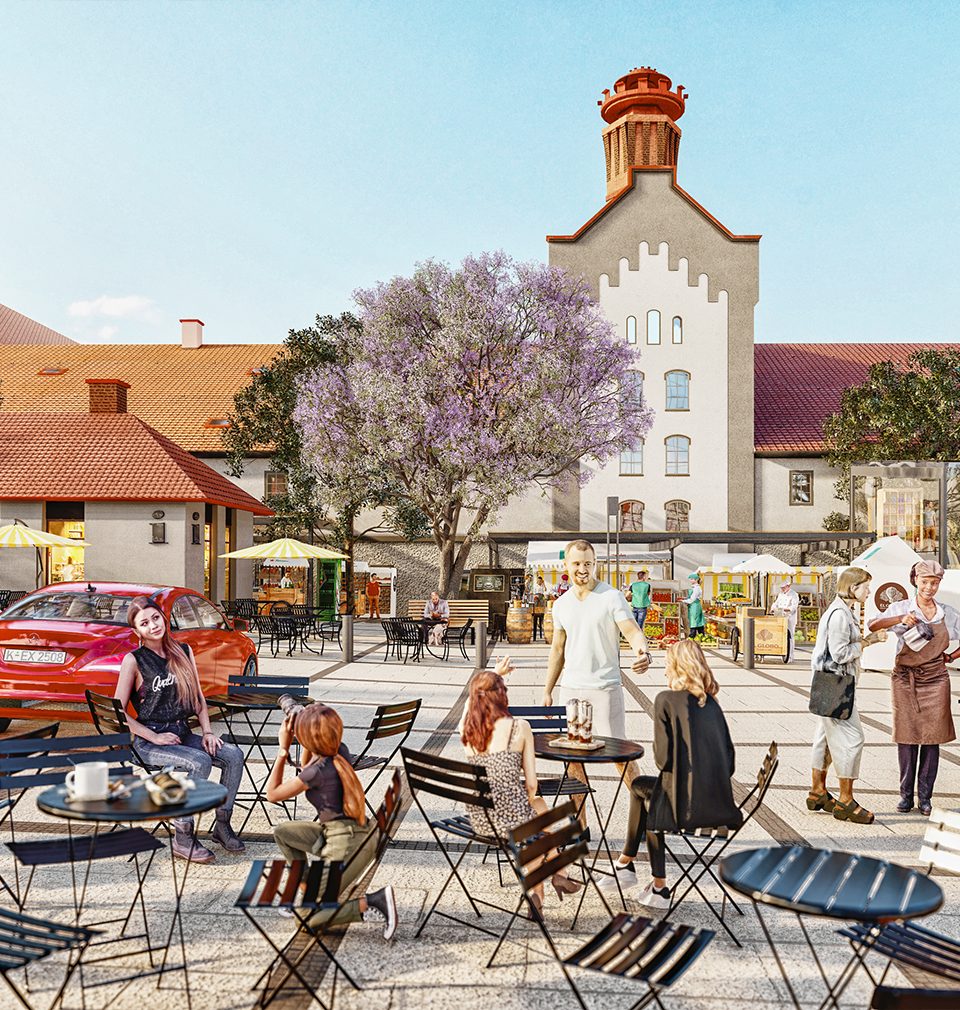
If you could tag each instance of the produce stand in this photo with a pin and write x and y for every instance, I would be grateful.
(664, 624)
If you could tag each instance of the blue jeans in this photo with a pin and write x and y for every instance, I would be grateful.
(640, 615)
(189, 756)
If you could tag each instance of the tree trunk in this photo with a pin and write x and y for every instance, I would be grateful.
(446, 586)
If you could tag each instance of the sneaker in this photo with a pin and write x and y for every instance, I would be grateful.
(625, 873)
(382, 907)
(285, 911)
(655, 898)
(193, 852)
(223, 834)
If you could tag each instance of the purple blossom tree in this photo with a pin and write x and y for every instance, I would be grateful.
(465, 386)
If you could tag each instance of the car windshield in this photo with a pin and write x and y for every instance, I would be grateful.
(101, 608)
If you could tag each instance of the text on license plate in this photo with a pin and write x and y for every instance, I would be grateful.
(34, 656)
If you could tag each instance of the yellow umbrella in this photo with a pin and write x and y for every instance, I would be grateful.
(23, 536)
(286, 547)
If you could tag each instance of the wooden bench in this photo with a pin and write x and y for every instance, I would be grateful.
(460, 611)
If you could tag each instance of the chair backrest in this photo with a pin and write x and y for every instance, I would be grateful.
(752, 801)
(557, 829)
(25, 765)
(458, 781)
(388, 812)
(941, 842)
(392, 720)
(542, 718)
(283, 624)
(47, 732)
(16, 594)
(300, 884)
(108, 714)
(280, 607)
(4, 598)
(408, 632)
(264, 684)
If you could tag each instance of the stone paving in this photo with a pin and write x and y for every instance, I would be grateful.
(444, 968)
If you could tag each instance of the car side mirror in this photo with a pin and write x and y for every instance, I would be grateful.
(239, 624)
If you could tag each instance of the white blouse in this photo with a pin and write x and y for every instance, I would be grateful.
(945, 613)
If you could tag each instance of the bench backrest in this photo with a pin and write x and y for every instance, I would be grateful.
(460, 610)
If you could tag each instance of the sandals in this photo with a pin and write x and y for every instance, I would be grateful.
(821, 801)
(852, 811)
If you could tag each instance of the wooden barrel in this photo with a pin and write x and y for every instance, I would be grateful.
(548, 622)
(519, 625)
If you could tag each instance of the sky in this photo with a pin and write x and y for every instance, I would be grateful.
(252, 164)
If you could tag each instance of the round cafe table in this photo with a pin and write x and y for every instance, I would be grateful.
(139, 808)
(613, 751)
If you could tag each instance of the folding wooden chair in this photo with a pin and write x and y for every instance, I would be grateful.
(390, 722)
(306, 888)
(462, 783)
(644, 950)
(707, 846)
(24, 940)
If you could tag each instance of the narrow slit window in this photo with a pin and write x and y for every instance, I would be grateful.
(631, 329)
(653, 326)
(677, 330)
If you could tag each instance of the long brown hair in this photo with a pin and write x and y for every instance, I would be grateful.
(178, 663)
(487, 704)
(320, 729)
(687, 670)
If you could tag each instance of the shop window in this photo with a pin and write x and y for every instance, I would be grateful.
(631, 329)
(631, 517)
(678, 390)
(678, 455)
(274, 483)
(801, 487)
(631, 462)
(653, 326)
(65, 564)
(677, 514)
(677, 330)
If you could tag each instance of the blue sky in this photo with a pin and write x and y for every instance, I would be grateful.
(253, 164)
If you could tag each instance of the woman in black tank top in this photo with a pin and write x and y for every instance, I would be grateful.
(161, 680)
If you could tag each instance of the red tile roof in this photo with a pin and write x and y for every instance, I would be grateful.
(174, 389)
(798, 386)
(16, 328)
(105, 457)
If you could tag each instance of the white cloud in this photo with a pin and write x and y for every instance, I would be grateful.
(107, 332)
(123, 307)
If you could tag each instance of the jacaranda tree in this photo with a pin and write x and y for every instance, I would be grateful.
(466, 386)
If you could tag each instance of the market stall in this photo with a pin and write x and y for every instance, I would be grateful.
(545, 557)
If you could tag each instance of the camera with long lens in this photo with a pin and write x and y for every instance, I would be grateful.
(289, 705)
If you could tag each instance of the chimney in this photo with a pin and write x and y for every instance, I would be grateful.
(191, 333)
(642, 114)
(108, 396)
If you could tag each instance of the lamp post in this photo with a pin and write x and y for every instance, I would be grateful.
(613, 509)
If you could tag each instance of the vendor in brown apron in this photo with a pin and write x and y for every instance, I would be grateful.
(920, 684)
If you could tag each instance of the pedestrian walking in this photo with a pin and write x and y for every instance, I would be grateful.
(640, 598)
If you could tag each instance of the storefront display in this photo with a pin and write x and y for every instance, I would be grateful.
(65, 564)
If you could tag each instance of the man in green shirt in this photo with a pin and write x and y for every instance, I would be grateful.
(640, 598)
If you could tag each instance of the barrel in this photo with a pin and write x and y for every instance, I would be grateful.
(519, 625)
(548, 622)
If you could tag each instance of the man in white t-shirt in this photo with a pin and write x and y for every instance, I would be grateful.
(585, 656)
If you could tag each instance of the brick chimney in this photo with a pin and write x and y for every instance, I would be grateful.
(108, 396)
(191, 333)
(642, 113)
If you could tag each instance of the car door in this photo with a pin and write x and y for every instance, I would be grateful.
(187, 626)
(232, 646)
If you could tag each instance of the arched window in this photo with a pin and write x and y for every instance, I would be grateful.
(678, 455)
(678, 514)
(653, 326)
(631, 329)
(678, 390)
(677, 330)
(632, 388)
(631, 517)
(631, 462)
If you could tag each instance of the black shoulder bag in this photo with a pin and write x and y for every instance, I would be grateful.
(832, 693)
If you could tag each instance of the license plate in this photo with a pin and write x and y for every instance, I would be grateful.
(34, 656)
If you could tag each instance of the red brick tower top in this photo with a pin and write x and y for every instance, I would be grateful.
(642, 113)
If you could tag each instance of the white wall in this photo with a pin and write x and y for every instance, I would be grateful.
(252, 478)
(703, 354)
(773, 509)
(18, 565)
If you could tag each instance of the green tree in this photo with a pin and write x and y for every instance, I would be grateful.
(262, 423)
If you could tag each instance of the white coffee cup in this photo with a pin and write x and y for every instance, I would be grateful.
(89, 781)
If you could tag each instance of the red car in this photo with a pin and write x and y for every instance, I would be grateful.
(65, 638)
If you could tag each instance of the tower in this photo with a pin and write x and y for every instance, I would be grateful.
(642, 113)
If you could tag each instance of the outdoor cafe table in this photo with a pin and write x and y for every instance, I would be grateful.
(828, 884)
(139, 808)
(613, 751)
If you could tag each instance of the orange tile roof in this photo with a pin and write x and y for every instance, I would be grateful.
(105, 457)
(173, 389)
(798, 386)
(16, 328)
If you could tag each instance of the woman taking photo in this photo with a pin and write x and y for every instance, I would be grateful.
(920, 684)
(503, 745)
(694, 752)
(161, 680)
(332, 787)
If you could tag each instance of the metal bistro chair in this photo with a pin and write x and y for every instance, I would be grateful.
(392, 632)
(330, 631)
(913, 945)
(409, 638)
(550, 721)
(462, 783)
(707, 846)
(306, 888)
(24, 940)
(643, 950)
(4, 598)
(458, 637)
(393, 722)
